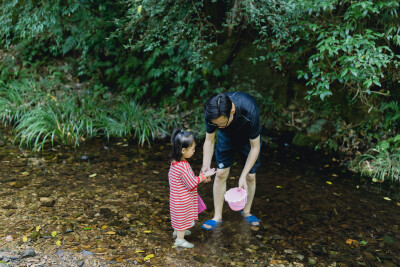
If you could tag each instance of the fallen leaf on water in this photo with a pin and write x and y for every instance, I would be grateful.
(386, 198)
(93, 175)
(398, 203)
(351, 242)
(147, 232)
(148, 257)
(139, 251)
(326, 165)
(328, 182)
(104, 227)
(58, 242)
(87, 228)
(24, 239)
(110, 233)
(25, 173)
(334, 175)
(249, 250)
(278, 186)
(38, 228)
(119, 259)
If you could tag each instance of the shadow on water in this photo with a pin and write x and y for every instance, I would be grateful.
(108, 204)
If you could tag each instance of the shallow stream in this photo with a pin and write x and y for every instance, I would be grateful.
(106, 204)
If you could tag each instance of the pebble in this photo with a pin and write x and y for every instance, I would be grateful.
(299, 257)
(86, 253)
(28, 253)
(46, 202)
(312, 261)
(288, 251)
(9, 238)
(60, 253)
(80, 263)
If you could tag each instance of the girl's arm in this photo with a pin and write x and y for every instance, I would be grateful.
(189, 179)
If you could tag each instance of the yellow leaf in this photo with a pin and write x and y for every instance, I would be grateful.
(278, 186)
(38, 228)
(24, 239)
(398, 203)
(148, 257)
(147, 232)
(54, 234)
(326, 165)
(110, 233)
(104, 227)
(25, 173)
(119, 259)
(351, 242)
(93, 175)
(328, 182)
(139, 251)
(386, 198)
(58, 242)
(139, 9)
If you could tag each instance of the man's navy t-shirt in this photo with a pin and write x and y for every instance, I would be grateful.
(246, 121)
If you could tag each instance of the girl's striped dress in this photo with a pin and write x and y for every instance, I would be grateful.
(183, 195)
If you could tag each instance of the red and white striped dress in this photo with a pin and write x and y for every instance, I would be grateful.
(183, 195)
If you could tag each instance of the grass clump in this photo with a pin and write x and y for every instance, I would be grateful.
(383, 162)
(43, 115)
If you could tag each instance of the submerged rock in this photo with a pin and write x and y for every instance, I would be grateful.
(46, 202)
(28, 253)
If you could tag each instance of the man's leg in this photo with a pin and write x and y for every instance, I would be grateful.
(219, 190)
(251, 190)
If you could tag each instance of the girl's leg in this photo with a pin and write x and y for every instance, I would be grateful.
(180, 235)
(180, 240)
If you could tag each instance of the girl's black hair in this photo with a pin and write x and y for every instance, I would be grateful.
(180, 139)
(216, 106)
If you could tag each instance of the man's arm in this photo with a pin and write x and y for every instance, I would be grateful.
(208, 151)
(251, 159)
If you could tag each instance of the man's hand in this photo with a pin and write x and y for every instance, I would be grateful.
(208, 173)
(243, 183)
(204, 169)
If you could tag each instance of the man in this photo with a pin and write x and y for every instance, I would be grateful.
(237, 119)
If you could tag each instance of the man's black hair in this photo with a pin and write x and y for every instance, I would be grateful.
(180, 139)
(216, 106)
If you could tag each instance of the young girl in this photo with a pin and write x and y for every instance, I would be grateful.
(183, 186)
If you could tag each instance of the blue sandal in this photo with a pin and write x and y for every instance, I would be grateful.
(250, 219)
(211, 223)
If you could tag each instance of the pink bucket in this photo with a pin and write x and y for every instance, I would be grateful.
(236, 198)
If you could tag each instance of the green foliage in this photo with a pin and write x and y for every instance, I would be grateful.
(354, 41)
(130, 118)
(383, 162)
(391, 112)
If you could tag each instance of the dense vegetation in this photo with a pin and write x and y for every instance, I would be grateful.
(72, 70)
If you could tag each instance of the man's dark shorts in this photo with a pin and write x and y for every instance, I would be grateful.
(226, 149)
